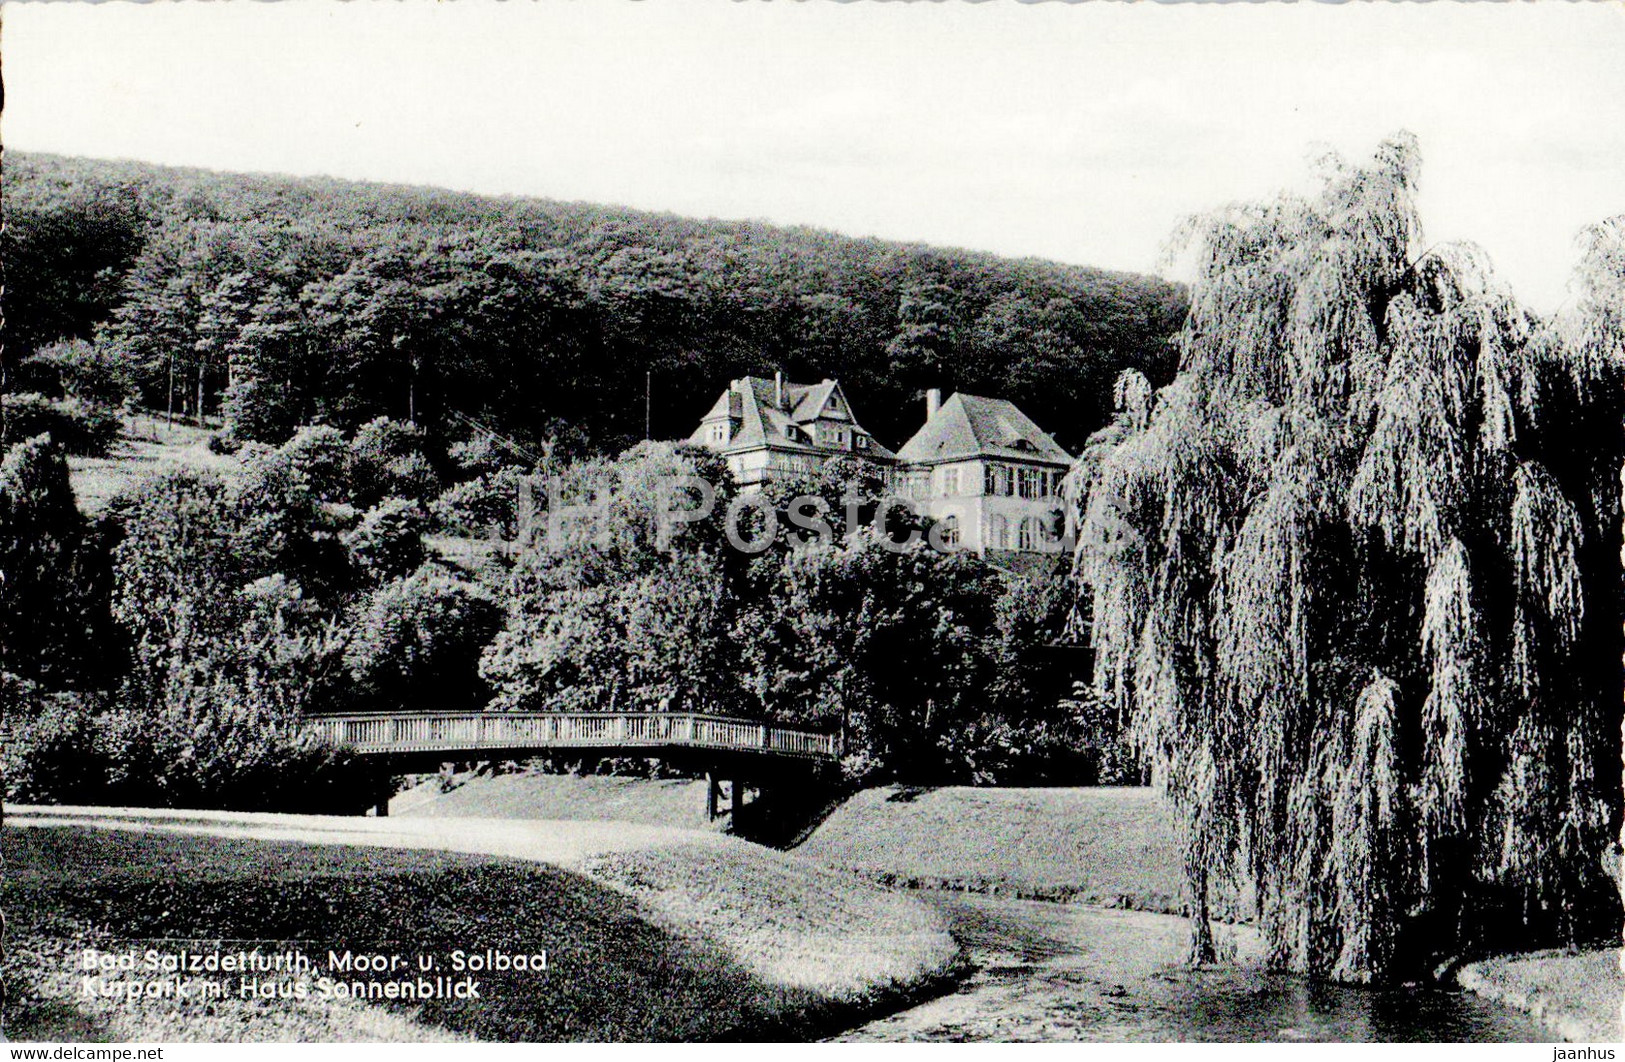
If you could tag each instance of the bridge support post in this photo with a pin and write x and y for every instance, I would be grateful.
(713, 793)
(741, 800)
(716, 803)
(382, 789)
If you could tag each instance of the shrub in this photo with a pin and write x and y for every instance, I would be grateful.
(480, 507)
(996, 750)
(388, 541)
(205, 755)
(52, 604)
(418, 640)
(51, 755)
(76, 368)
(480, 456)
(320, 455)
(387, 458)
(79, 427)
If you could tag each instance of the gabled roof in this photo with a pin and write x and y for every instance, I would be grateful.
(727, 405)
(969, 426)
(811, 401)
(751, 401)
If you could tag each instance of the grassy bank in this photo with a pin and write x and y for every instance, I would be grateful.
(648, 937)
(678, 803)
(146, 447)
(1578, 995)
(1109, 846)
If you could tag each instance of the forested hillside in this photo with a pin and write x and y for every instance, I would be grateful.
(279, 301)
(337, 338)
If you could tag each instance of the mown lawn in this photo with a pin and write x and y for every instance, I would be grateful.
(788, 920)
(1578, 994)
(614, 973)
(1110, 846)
(678, 803)
(147, 447)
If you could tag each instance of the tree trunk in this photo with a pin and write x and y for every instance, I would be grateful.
(1203, 951)
(412, 393)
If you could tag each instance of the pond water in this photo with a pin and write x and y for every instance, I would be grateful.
(1048, 972)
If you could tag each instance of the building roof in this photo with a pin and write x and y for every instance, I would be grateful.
(752, 401)
(968, 426)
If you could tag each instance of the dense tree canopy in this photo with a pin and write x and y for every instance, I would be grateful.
(278, 302)
(1353, 575)
(388, 364)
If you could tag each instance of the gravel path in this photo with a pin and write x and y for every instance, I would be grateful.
(564, 844)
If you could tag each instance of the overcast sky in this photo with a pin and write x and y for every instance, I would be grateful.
(1080, 133)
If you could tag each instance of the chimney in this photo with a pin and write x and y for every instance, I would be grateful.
(778, 390)
(933, 402)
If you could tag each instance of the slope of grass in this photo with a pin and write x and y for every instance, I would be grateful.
(1102, 845)
(147, 447)
(676, 803)
(692, 946)
(1579, 995)
(785, 919)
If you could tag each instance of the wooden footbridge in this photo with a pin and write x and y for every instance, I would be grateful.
(736, 754)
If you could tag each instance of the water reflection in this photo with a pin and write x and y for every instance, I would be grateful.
(1050, 972)
(1180, 1004)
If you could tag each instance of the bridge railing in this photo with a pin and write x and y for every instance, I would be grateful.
(472, 731)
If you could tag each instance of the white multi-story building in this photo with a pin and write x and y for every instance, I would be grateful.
(771, 427)
(988, 474)
(980, 466)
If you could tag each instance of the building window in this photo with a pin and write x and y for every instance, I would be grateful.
(719, 432)
(950, 530)
(862, 441)
(1027, 533)
(1030, 482)
(950, 482)
(996, 480)
(998, 532)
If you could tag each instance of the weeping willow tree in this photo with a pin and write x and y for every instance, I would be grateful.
(1353, 579)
